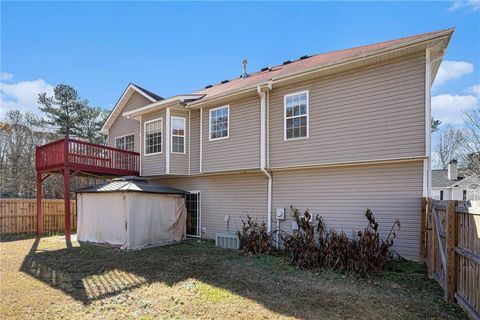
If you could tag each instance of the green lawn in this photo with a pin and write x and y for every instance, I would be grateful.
(45, 279)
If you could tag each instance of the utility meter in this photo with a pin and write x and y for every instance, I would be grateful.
(280, 212)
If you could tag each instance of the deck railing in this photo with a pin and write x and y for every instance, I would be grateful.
(86, 156)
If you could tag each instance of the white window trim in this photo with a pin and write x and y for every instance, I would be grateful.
(145, 137)
(125, 135)
(176, 135)
(210, 123)
(285, 116)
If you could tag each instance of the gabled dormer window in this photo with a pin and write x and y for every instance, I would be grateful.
(296, 115)
(219, 123)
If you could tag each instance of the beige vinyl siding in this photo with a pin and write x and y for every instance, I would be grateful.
(241, 150)
(236, 195)
(179, 162)
(194, 141)
(153, 164)
(342, 194)
(376, 112)
(123, 126)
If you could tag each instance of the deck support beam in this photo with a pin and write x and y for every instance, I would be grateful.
(66, 200)
(39, 205)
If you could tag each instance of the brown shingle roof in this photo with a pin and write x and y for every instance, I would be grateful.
(305, 64)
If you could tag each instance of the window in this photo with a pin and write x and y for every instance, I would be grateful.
(219, 123)
(441, 194)
(125, 142)
(178, 135)
(153, 136)
(296, 116)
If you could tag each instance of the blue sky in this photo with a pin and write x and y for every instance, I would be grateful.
(172, 48)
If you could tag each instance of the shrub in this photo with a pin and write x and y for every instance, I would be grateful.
(313, 246)
(254, 237)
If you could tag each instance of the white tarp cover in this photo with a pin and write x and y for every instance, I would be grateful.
(132, 220)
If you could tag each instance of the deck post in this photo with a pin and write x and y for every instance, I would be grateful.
(66, 200)
(39, 205)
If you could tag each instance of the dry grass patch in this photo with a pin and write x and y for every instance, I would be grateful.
(44, 279)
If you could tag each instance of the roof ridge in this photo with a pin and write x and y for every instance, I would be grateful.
(420, 35)
(148, 92)
(381, 42)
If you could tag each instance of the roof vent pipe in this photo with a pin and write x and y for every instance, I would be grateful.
(452, 170)
(244, 68)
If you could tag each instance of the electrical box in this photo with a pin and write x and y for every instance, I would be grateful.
(227, 218)
(280, 213)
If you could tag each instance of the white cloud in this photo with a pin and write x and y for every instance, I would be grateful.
(6, 76)
(458, 4)
(449, 108)
(22, 95)
(450, 70)
(475, 90)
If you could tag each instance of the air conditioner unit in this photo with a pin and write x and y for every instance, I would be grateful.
(227, 240)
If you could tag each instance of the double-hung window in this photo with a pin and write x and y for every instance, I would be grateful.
(178, 135)
(125, 142)
(219, 123)
(296, 116)
(153, 136)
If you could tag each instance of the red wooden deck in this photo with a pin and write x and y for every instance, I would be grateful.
(70, 156)
(86, 157)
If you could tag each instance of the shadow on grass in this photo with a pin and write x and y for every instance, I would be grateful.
(26, 236)
(16, 237)
(90, 272)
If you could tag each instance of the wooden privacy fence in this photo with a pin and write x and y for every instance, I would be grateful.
(20, 215)
(450, 247)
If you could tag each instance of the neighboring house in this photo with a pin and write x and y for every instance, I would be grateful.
(452, 184)
(335, 133)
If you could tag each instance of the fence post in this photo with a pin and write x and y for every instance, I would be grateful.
(423, 222)
(431, 240)
(451, 243)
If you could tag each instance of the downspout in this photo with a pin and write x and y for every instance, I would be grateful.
(263, 156)
(200, 162)
(167, 141)
(189, 162)
(428, 123)
(140, 146)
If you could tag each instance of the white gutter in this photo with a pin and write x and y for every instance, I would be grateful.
(170, 102)
(263, 142)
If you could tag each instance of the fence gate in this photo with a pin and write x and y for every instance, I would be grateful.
(450, 247)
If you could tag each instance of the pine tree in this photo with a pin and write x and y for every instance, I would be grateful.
(65, 110)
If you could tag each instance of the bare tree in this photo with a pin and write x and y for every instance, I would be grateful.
(18, 139)
(470, 147)
(449, 145)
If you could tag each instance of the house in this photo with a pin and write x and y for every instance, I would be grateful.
(452, 184)
(335, 133)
